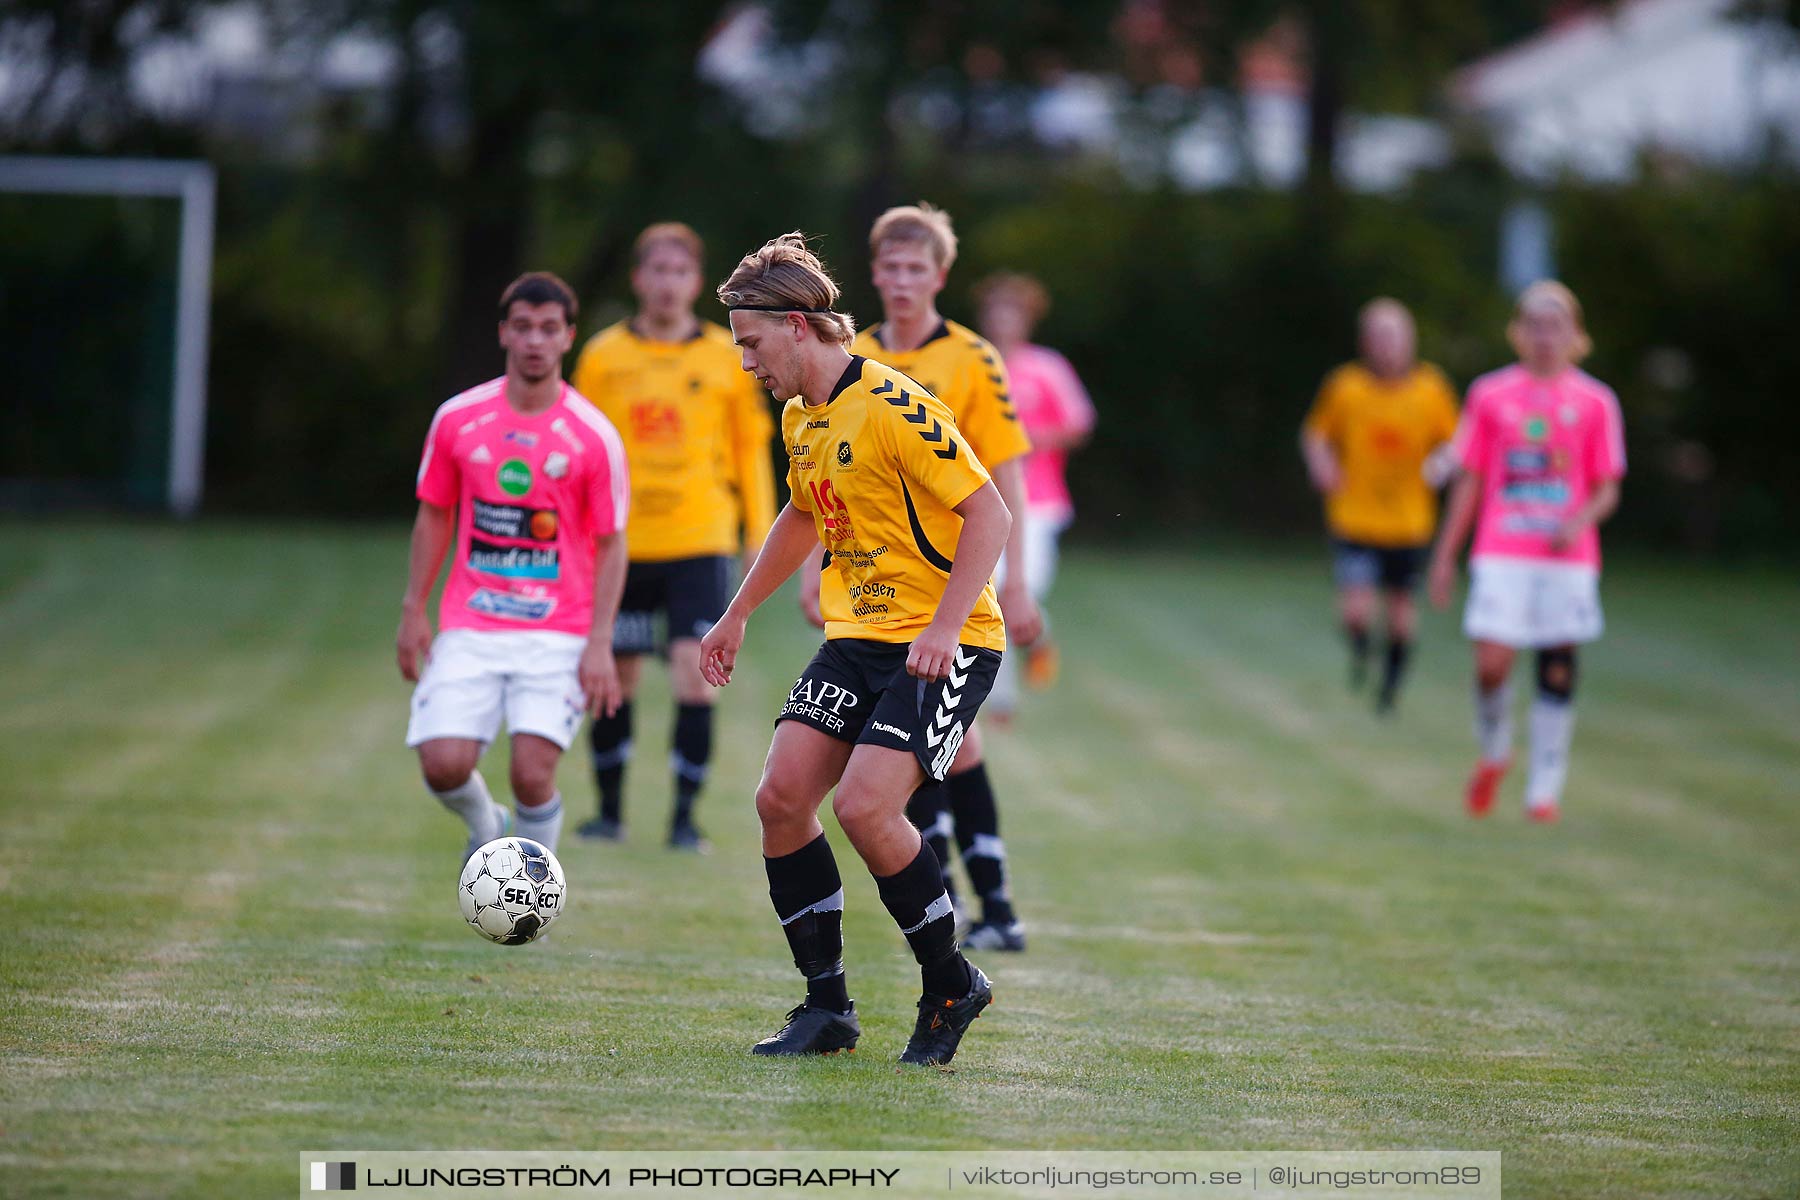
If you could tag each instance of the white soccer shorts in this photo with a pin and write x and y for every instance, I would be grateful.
(1041, 537)
(475, 679)
(1530, 605)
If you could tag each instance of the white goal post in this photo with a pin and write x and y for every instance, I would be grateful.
(193, 183)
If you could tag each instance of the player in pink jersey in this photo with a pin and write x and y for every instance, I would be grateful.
(530, 481)
(1058, 417)
(1542, 451)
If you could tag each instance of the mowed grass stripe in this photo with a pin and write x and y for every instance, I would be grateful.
(1258, 916)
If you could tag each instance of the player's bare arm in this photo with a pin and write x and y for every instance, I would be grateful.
(1321, 463)
(809, 591)
(1601, 505)
(432, 530)
(1024, 623)
(790, 543)
(1465, 497)
(597, 671)
(986, 524)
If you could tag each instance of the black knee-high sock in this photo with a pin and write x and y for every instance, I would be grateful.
(916, 899)
(1398, 651)
(611, 739)
(693, 751)
(978, 836)
(929, 812)
(809, 901)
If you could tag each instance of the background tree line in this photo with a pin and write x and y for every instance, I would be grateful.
(356, 275)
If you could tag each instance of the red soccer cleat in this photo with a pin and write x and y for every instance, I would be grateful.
(1483, 784)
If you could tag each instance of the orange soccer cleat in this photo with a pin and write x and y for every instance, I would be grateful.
(1483, 784)
(1043, 662)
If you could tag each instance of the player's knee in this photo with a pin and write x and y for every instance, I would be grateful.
(533, 782)
(445, 772)
(694, 691)
(780, 803)
(857, 806)
(1402, 618)
(1556, 673)
(1492, 665)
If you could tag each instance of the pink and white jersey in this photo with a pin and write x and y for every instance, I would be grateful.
(532, 492)
(1049, 398)
(1541, 447)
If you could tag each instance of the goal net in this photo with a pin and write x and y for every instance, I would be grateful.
(105, 278)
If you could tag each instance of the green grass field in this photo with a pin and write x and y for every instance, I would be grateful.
(228, 929)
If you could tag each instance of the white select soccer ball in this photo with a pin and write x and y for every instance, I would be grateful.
(511, 889)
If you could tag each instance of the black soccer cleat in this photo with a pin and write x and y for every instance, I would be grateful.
(687, 836)
(601, 829)
(943, 1021)
(812, 1030)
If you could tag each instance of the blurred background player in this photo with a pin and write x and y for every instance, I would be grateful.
(1542, 451)
(530, 481)
(1375, 444)
(913, 248)
(878, 471)
(696, 432)
(1058, 417)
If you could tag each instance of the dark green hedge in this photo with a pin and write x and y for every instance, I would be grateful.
(1201, 323)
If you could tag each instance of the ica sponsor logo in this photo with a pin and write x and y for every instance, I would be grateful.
(834, 514)
(514, 477)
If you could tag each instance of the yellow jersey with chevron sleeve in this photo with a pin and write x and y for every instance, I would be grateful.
(696, 431)
(880, 467)
(960, 368)
(1382, 431)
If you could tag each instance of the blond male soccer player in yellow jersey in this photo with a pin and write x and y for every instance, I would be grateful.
(1376, 444)
(878, 472)
(697, 434)
(913, 248)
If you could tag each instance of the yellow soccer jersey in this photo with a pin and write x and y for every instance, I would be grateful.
(1382, 433)
(960, 368)
(696, 432)
(880, 467)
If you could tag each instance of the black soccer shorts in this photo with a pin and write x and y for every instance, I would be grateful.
(858, 691)
(1394, 568)
(692, 592)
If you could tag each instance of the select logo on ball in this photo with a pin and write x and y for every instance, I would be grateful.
(514, 476)
(511, 889)
(543, 525)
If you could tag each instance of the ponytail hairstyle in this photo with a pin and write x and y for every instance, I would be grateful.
(783, 277)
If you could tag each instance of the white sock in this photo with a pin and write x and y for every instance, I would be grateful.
(543, 823)
(1552, 727)
(1493, 722)
(475, 805)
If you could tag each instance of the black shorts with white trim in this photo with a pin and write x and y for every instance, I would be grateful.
(858, 691)
(690, 592)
